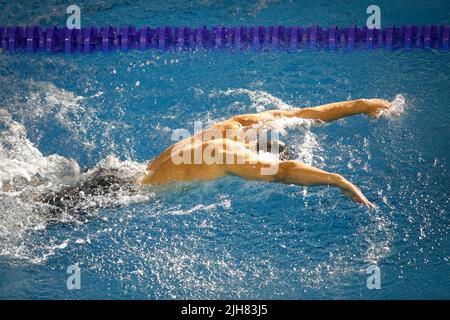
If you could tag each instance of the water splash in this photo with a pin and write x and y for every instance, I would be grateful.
(309, 149)
(26, 176)
(44, 101)
(44, 104)
(22, 164)
(281, 125)
(260, 100)
(396, 109)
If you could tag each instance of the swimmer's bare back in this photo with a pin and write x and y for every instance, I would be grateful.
(247, 164)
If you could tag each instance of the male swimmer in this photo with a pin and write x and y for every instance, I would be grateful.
(225, 141)
(226, 148)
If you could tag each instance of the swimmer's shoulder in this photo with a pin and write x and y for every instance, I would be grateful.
(229, 124)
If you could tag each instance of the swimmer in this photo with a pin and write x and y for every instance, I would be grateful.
(227, 140)
(164, 169)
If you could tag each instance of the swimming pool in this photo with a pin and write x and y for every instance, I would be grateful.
(229, 238)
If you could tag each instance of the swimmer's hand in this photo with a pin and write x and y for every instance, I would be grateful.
(376, 106)
(352, 191)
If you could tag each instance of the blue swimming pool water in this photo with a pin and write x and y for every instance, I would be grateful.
(228, 238)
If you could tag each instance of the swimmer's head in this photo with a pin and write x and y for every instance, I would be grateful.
(276, 147)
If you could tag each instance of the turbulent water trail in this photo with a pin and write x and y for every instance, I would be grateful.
(27, 177)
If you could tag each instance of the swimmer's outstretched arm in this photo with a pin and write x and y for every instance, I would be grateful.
(294, 172)
(328, 112)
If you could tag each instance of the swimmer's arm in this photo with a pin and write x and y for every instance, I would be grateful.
(333, 111)
(294, 172)
(328, 112)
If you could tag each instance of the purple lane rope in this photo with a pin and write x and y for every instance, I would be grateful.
(260, 38)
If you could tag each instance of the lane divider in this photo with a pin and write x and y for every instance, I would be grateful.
(260, 38)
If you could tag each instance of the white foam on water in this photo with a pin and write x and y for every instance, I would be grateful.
(396, 109)
(308, 149)
(260, 100)
(267, 156)
(45, 101)
(26, 174)
(224, 203)
(22, 164)
(280, 125)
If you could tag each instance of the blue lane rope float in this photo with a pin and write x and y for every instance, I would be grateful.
(91, 39)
